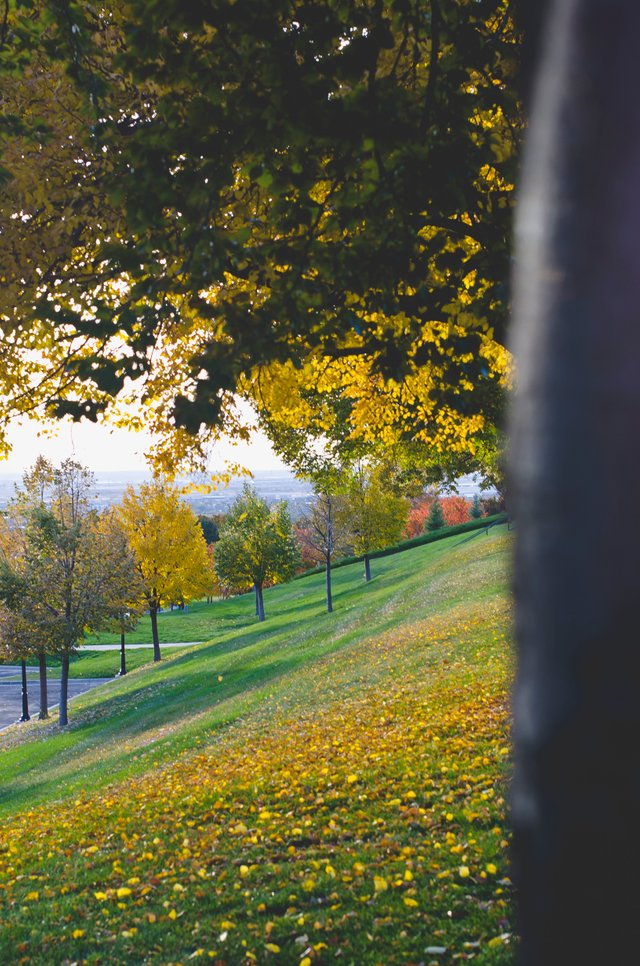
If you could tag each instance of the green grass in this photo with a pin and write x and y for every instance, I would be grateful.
(196, 623)
(106, 664)
(370, 742)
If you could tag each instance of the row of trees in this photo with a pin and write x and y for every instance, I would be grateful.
(67, 570)
(431, 512)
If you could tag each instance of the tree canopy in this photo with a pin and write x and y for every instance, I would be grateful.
(242, 194)
(256, 545)
(168, 545)
(61, 575)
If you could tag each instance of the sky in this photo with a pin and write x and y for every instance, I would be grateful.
(101, 448)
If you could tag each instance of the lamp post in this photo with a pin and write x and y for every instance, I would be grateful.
(25, 716)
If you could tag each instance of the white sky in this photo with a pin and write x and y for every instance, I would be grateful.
(101, 448)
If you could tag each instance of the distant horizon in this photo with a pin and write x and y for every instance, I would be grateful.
(126, 471)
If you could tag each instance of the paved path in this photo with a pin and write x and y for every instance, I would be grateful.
(131, 647)
(11, 692)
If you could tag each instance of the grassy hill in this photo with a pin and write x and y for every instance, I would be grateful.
(314, 789)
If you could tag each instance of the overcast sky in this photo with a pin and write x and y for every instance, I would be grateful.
(102, 449)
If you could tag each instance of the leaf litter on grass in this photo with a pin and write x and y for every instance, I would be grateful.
(357, 814)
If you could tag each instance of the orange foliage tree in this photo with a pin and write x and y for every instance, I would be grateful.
(455, 509)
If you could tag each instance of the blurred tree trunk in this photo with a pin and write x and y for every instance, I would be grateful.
(575, 464)
(64, 690)
(44, 693)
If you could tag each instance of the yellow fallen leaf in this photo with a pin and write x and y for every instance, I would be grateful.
(380, 884)
(272, 947)
(77, 933)
(123, 892)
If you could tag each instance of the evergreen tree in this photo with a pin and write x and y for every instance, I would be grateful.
(476, 510)
(435, 520)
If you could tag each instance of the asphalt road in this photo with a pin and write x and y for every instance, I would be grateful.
(11, 692)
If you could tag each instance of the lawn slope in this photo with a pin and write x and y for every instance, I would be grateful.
(318, 788)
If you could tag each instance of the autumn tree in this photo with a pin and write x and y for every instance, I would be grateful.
(330, 213)
(125, 598)
(167, 541)
(256, 545)
(377, 515)
(325, 533)
(62, 584)
(26, 626)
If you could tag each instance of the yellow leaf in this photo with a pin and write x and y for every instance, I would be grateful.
(380, 884)
(77, 933)
(463, 872)
(100, 896)
(272, 947)
(410, 902)
(123, 892)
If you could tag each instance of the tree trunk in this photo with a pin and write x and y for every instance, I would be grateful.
(64, 690)
(123, 656)
(367, 568)
(574, 465)
(153, 614)
(44, 691)
(328, 583)
(25, 716)
(259, 601)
